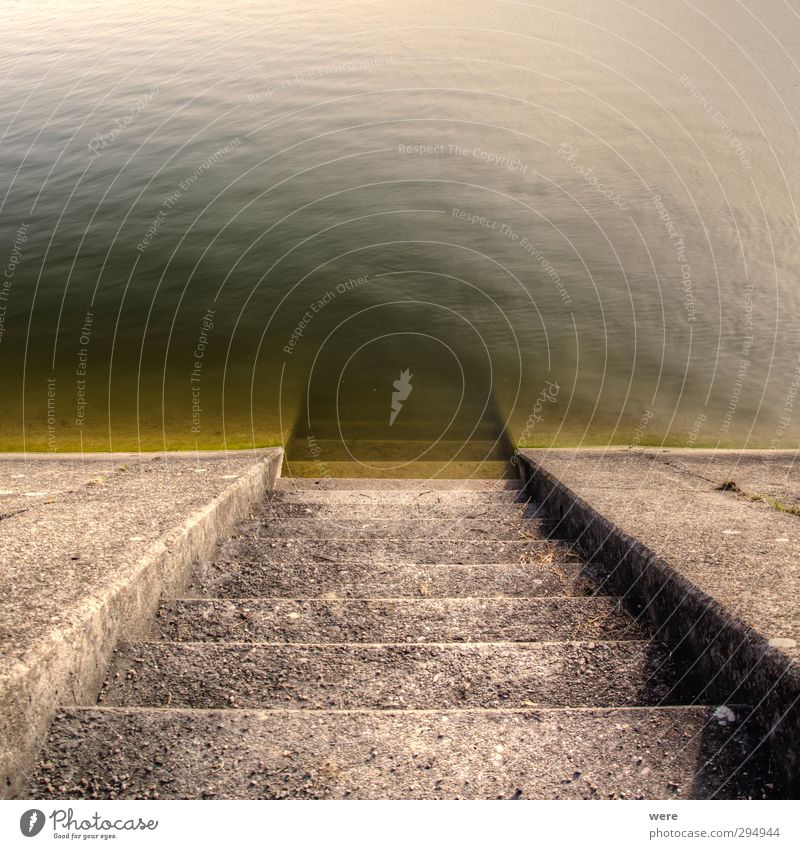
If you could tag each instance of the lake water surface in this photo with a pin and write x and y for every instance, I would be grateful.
(382, 232)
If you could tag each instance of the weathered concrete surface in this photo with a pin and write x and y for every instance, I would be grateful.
(505, 528)
(396, 550)
(716, 572)
(416, 486)
(426, 503)
(28, 486)
(237, 579)
(391, 620)
(87, 562)
(383, 676)
(385, 508)
(310, 695)
(632, 753)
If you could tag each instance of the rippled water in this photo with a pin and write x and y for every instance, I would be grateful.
(569, 223)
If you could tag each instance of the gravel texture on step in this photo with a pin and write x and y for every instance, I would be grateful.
(392, 551)
(295, 484)
(401, 620)
(238, 579)
(666, 753)
(507, 528)
(216, 675)
(353, 504)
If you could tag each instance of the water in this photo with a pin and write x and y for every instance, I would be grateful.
(570, 223)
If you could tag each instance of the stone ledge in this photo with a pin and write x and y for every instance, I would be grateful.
(715, 574)
(85, 561)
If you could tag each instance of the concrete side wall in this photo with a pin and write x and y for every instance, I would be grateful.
(739, 664)
(68, 666)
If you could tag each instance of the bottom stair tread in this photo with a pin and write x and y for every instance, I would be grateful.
(652, 753)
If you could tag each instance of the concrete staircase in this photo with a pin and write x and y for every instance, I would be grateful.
(396, 639)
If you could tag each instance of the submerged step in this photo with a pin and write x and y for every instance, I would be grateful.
(314, 481)
(407, 550)
(645, 753)
(397, 451)
(507, 528)
(395, 620)
(489, 675)
(338, 470)
(368, 427)
(243, 579)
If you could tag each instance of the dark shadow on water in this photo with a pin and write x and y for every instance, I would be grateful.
(392, 425)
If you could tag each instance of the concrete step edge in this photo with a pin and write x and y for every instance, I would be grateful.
(550, 709)
(130, 647)
(388, 539)
(512, 514)
(364, 489)
(348, 598)
(400, 484)
(532, 564)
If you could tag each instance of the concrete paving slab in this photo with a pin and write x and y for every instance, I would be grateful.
(28, 485)
(771, 474)
(89, 562)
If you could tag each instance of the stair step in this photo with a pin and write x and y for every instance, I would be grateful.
(397, 451)
(631, 753)
(487, 675)
(399, 485)
(400, 620)
(355, 504)
(224, 579)
(280, 527)
(367, 430)
(421, 469)
(419, 551)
